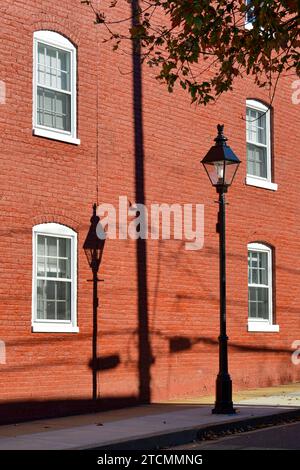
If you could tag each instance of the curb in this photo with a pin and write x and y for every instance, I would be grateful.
(188, 435)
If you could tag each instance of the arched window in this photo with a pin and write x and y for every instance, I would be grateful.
(260, 288)
(54, 286)
(258, 137)
(54, 87)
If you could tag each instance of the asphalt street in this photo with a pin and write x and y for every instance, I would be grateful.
(283, 437)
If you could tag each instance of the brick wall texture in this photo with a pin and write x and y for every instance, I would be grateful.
(165, 295)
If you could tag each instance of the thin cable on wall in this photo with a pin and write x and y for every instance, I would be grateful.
(97, 118)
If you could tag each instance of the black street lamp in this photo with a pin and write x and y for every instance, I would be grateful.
(93, 247)
(221, 165)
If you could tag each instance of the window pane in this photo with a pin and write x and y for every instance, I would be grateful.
(41, 64)
(262, 302)
(256, 161)
(249, 268)
(61, 290)
(51, 267)
(50, 310)
(250, 118)
(62, 247)
(62, 111)
(48, 108)
(41, 54)
(44, 109)
(41, 245)
(40, 267)
(50, 67)
(63, 70)
(64, 268)
(41, 296)
(51, 246)
(263, 268)
(261, 129)
(64, 300)
(253, 264)
(41, 312)
(63, 311)
(252, 303)
(50, 288)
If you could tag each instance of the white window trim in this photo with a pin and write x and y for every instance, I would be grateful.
(262, 327)
(252, 180)
(261, 183)
(257, 324)
(56, 40)
(54, 326)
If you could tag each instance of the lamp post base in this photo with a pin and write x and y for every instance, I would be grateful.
(223, 404)
(223, 409)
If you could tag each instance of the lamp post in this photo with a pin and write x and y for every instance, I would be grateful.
(221, 165)
(93, 248)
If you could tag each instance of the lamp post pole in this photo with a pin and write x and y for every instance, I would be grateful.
(223, 402)
(221, 165)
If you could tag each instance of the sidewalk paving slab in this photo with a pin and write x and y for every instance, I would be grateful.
(150, 426)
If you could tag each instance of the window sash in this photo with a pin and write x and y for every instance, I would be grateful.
(59, 72)
(257, 161)
(260, 271)
(261, 302)
(260, 287)
(68, 301)
(266, 176)
(53, 300)
(42, 112)
(256, 125)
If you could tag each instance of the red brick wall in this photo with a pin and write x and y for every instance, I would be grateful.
(43, 180)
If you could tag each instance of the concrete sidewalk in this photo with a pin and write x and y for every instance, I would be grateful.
(151, 426)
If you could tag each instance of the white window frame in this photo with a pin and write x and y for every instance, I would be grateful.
(55, 326)
(260, 324)
(252, 180)
(58, 41)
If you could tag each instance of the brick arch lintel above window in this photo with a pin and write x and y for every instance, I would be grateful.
(64, 27)
(57, 218)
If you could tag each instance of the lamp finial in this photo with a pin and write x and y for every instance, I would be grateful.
(220, 139)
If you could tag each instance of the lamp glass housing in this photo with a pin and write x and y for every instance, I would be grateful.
(221, 173)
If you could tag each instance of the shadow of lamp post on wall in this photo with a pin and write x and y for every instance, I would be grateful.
(221, 165)
(93, 248)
